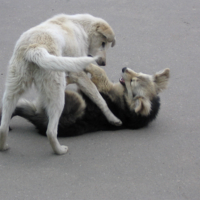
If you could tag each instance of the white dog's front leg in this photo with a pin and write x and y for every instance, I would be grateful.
(52, 135)
(54, 108)
(51, 98)
(57, 148)
(87, 87)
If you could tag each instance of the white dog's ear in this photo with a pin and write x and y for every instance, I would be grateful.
(107, 32)
(161, 80)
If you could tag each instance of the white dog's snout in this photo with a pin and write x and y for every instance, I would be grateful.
(100, 61)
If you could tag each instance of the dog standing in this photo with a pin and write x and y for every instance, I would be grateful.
(43, 55)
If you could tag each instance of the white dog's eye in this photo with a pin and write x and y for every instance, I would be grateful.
(103, 44)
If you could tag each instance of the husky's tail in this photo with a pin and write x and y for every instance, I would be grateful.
(43, 59)
(28, 111)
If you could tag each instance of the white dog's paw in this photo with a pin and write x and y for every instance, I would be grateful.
(62, 150)
(4, 147)
(115, 121)
(111, 118)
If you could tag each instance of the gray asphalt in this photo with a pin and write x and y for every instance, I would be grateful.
(160, 162)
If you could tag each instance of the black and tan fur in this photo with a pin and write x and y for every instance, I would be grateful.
(134, 100)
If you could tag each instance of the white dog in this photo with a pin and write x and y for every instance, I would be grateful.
(43, 55)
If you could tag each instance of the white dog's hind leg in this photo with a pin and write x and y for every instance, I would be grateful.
(9, 103)
(16, 85)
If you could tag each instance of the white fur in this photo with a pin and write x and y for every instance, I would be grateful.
(43, 55)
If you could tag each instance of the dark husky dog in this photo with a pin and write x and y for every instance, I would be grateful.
(134, 100)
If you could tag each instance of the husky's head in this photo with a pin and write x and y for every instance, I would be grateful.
(142, 88)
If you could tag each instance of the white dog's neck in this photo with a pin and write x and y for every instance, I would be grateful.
(84, 20)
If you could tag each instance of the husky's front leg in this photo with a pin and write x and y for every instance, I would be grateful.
(88, 88)
(99, 78)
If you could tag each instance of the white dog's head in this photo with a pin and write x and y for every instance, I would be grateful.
(100, 37)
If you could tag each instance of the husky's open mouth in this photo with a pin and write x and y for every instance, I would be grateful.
(122, 81)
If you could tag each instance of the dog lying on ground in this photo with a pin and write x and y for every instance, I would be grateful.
(134, 100)
(43, 55)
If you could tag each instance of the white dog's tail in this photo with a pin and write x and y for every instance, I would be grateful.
(43, 59)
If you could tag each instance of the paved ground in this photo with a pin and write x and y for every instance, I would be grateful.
(161, 162)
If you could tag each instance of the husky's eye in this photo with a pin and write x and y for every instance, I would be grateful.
(103, 44)
(134, 80)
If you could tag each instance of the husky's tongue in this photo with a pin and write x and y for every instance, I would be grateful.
(121, 80)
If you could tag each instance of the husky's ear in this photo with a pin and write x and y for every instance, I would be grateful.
(161, 80)
(107, 32)
(142, 106)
